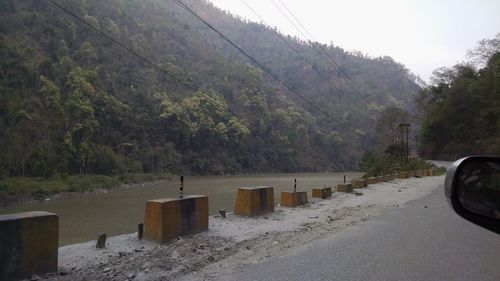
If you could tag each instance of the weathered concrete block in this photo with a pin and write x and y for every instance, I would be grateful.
(344, 187)
(293, 199)
(371, 180)
(169, 218)
(358, 183)
(254, 201)
(322, 193)
(28, 244)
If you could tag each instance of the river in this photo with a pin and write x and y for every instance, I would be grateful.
(117, 212)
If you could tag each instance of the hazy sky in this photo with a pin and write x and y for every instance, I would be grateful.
(421, 34)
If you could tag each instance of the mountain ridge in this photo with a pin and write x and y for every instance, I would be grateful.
(111, 113)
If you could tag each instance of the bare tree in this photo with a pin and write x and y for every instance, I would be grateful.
(484, 50)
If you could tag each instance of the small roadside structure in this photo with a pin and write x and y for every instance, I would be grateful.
(254, 201)
(169, 218)
(323, 193)
(358, 183)
(29, 244)
(344, 187)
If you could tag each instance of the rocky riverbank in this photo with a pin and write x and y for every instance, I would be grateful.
(235, 242)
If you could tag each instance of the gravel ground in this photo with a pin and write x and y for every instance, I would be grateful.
(234, 242)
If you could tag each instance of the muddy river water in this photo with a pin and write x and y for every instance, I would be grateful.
(83, 218)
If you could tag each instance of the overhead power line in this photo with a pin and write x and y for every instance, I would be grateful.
(320, 51)
(157, 67)
(131, 51)
(324, 76)
(261, 65)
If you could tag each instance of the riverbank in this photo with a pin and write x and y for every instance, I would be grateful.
(235, 242)
(25, 190)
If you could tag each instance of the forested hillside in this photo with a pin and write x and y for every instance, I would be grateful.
(461, 108)
(73, 102)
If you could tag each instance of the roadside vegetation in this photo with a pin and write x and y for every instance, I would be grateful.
(74, 103)
(77, 113)
(19, 189)
(383, 164)
(460, 109)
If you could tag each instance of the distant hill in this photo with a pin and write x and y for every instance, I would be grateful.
(74, 102)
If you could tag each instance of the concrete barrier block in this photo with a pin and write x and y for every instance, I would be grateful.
(322, 193)
(344, 187)
(169, 218)
(254, 201)
(371, 180)
(28, 244)
(293, 199)
(437, 172)
(358, 183)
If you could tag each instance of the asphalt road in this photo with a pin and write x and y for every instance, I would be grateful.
(408, 243)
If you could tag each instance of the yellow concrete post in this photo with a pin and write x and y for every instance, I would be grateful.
(254, 201)
(293, 199)
(169, 218)
(344, 187)
(323, 193)
(358, 183)
(371, 180)
(28, 244)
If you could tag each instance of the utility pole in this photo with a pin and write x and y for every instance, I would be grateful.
(416, 144)
(401, 128)
(181, 187)
(405, 148)
(407, 143)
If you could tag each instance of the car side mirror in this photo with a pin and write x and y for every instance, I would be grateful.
(472, 187)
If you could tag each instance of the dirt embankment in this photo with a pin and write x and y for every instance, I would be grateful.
(235, 242)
